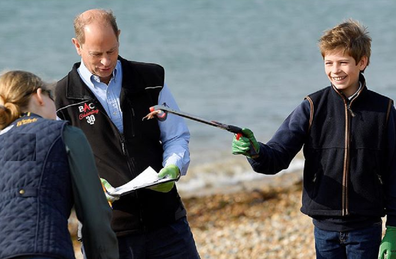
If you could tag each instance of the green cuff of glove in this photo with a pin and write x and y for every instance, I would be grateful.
(388, 244)
(108, 187)
(171, 172)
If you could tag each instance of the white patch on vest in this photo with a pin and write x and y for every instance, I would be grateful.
(6, 129)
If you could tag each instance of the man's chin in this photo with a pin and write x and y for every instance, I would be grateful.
(104, 76)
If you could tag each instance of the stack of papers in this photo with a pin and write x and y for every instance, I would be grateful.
(147, 178)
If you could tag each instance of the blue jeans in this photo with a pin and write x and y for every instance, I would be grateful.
(174, 241)
(357, 244)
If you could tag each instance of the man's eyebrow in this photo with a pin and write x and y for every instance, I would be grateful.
(94, 52)
(114, 48)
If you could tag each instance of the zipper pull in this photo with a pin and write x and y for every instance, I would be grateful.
(380, 179)
(123, 147)
(123, 144)
(350, 110)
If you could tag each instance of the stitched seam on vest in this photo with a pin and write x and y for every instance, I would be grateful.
(390, 104)
(153, 87)
(311, 112)
(70, 105)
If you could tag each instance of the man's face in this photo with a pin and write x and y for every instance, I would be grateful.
(343, 71)
(99, 52)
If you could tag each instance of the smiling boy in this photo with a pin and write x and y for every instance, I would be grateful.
(348, 134)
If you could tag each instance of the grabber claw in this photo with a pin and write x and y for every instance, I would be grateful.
(160, 114)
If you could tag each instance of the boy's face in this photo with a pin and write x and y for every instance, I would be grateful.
(343, 71)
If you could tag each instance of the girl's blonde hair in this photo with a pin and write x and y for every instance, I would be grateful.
(16, 88)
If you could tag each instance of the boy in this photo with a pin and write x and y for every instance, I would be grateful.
(348, 133)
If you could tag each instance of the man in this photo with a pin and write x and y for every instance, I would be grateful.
(107, 97)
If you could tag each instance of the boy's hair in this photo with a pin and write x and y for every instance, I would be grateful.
(349, 36)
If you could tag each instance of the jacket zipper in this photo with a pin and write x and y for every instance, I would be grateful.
(345, 205)
(349, 114)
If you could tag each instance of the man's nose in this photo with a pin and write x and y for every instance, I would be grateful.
(105, 61)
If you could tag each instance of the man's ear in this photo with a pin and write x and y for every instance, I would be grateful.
(76, 45)
(118, 37)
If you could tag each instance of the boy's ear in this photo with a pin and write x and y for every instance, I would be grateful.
(363, 63)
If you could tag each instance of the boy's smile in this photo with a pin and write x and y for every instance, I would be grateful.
(343, 71)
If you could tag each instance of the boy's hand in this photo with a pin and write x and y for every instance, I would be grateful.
(388, 244)
(246, 144)
(107, 186)
(170, 171)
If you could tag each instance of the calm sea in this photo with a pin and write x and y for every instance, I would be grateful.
(247, 63)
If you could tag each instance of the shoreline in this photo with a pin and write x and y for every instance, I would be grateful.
(284, 180)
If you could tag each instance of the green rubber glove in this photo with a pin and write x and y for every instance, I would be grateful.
(388, 244)
(246, 144)
(107, 186)
(170, 171)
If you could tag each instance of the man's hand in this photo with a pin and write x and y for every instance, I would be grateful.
(170, 171)
(388, 244)
(246, 144)
(107, 186)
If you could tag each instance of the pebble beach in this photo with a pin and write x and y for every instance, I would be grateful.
(258, 222)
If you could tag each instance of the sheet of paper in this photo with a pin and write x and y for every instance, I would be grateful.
(148, 177)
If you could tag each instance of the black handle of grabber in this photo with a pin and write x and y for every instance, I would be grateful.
(234, 129)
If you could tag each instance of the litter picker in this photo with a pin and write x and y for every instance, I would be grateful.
(160, 111)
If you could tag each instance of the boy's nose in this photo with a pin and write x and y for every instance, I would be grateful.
(336, 69)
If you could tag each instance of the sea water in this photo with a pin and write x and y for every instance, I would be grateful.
(239, 62)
